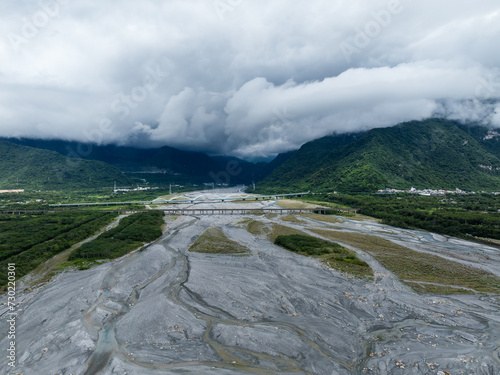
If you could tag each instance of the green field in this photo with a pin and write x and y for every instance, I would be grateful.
(466, 216)
(132, 232)
(30, 240)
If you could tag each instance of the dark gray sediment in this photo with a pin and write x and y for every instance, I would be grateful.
(165, 310)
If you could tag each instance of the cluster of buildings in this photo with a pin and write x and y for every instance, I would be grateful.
(425, 192)
(133, 189)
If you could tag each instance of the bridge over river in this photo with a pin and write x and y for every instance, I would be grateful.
(195, 199)
(200, 211)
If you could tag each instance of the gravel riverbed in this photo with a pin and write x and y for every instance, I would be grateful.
(165, 310)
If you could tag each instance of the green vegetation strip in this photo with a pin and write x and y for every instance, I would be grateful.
(292, 219)
(257, 227)
(415, 267)
(132, 232)
(465, 216)
(437, 289)
(333, 254)
(30, 240)
(213, 241)
(282, 230)
(324, 218)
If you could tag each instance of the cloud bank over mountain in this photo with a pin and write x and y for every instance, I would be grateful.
(240, 77)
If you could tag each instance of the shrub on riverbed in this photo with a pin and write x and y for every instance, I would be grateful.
(333, 254)
(214, 241)
(434, 273)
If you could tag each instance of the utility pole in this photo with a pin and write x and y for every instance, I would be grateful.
(114, 189)
(253, 183)
(170, 190)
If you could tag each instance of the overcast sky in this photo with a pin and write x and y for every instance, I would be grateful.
(249, 78)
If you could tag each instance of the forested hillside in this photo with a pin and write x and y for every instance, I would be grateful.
(25, 167)
(421, 154)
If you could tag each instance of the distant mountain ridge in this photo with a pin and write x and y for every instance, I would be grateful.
(175, 165)
(433, 153)
(24, 167)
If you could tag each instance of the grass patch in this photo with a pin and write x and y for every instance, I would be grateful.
(324, 218)
(271, 216)
(257, 227)
(340, 210)
(325, 204)
(80, 264)
(292, 219)
(282, 230)
(358, 217)
(213, 241)
(336, 209)
(438, 289)
(295, 204)
(414, 266)
(333, 254)
(488, 241)
(257, 211)
(245, 221)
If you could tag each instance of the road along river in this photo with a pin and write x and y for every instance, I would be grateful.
(165, 310)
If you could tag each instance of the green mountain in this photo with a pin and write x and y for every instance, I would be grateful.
(159, 166)
(423, 154)
(24, 167)
(488, 138)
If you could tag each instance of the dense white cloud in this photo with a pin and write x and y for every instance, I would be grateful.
(247, 78)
